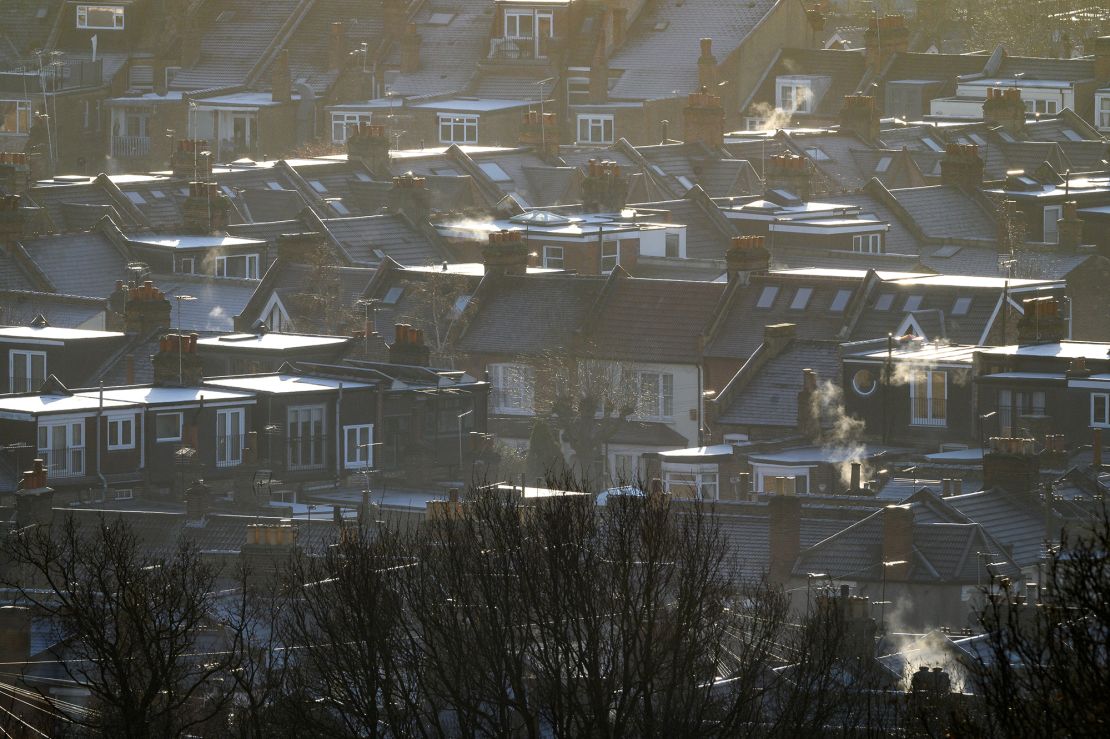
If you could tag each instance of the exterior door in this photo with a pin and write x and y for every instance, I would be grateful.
(229, 437)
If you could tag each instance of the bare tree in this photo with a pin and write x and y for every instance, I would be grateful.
(1047, 665)
(144, 635)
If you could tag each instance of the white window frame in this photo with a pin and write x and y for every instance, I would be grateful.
(116, 427)
(867, 243)
(1052, 214)
(926, 413)
(554, 257)
(341, 121)
(119, 17)
(458, 128)
(513, 389)
(596, 128)
(22, 118)
(661, 405)
(1104, 112)
(610, 256)
(793, 95)
(26, 358)
(230, 425)
(250, 266)
(1102, 399)
(363, 451)
(702, 478)
(73, 459)
(180, 426)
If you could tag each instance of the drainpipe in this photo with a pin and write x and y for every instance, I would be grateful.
(99, 418)
(338, 439)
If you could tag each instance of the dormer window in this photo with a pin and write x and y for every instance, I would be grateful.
(527, 33)
(794, 96)
(100, 17)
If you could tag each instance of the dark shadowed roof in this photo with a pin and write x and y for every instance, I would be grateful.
(771, 397)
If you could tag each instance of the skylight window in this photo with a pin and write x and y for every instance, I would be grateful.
(227, 191)
(339, 207)
(317, 186)
(1071, 135)
(932, 145)
(685, 182)
(913, 303)
(392, 295)
(840, 301)
(977, 139)
(363, 177)
(884, 302)
(447, 172)
(460, 305)
(884, 164)
(662, 25)
(440, 19)
(158, 194)
(135, 198)
(658, 170)
(817, 154)
(767, 297)
(801, 298)
(962, 306)
(273, 185)
(494, 171)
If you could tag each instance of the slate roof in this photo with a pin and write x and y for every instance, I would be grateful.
(23, 29)
(771, 397)
(288, 280)
(233, 42)
(653, 320)
(74, 207)
(706, 237)
(86, 263)
(688, 21)
(531, 314)
(874, 323)
(716, 172)
(1018, 524)
(19, 307)
(218, 300)
(942, 552)
(391, 233)
(947, 213)
(448, 52)
(940, 67)
(740, 330)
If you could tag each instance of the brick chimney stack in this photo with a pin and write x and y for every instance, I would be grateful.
(337, 46)
(707, 65)
(12, 219)
(410, 196)
(1102, 59)
(897, 521)
(790, 172)
(34, 499)
(703, 118)
(147, 309)
(1011, 464)
(268, 548)
(196, 503)
(1042, 321)
(885, 37)
(410, 49)
(505, 253)
(599, 74)
(1003, 107)
(604, 189)
(408, 346)
(168, 365)
(746, 256)
(809, 420)
(369, 144)
(541, 132)
(15, 171)
(206, 210)
(860, 115)
(961, 166)
(394, 15)
(281, 79)
(192, 159)
(785, 534)
(1070, 228)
